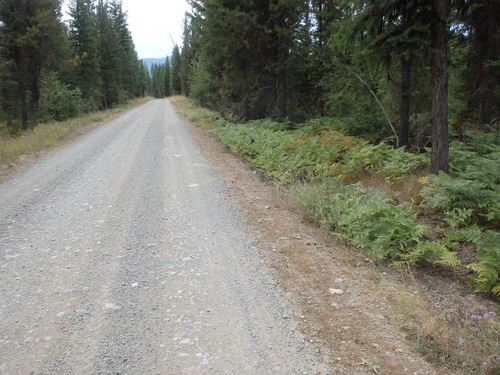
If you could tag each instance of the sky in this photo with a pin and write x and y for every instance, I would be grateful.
(154, 24)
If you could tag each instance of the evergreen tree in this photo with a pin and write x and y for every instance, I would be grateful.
(482, 74)
(27, 30)
(246, 47)
(396, 32)
(129, 73)
(82, 31)
(175, 66)
(166, 84)
(186, 58)
(439, 87)
(109, 56)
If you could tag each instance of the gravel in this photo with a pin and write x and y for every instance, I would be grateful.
(121, 254)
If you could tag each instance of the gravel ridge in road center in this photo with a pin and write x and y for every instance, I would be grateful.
(120, 253)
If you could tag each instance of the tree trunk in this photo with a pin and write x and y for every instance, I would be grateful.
(404, 119)
(439, 89)
(281, 89)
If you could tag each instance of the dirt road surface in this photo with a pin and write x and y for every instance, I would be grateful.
(121, 254)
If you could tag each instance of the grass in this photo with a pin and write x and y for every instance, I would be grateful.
(48, 135)
(445, 335)
(203, 117)
(449, 337)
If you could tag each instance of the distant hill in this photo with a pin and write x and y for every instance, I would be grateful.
(150, 61)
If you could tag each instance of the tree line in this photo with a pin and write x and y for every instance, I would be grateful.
(402, 71)
(51, 70)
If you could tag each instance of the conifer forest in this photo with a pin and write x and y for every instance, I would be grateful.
(332, 90)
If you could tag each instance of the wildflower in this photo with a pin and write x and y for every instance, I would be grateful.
(473, 317)
(485, 364)
(486, 316)
(464, 364)
(479, 317)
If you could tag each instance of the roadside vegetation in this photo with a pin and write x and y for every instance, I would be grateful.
(50, 134)
(382, 201)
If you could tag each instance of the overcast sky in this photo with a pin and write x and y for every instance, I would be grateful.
(153, 24)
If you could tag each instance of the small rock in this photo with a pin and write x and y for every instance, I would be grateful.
(82, 312)
(336, 291)
(111, 306)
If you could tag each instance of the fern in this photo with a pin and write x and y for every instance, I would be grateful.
(487, 266)
(431, 252)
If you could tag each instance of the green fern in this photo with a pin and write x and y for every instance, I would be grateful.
(487, 266)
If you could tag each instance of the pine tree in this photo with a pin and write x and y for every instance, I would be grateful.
(482, 76)
(186, 58)
(396, 32)
(175, 66)
(27, 29)
(109, 56)
(166, 84)
(246, 45)
(82, 31)
(439, 87)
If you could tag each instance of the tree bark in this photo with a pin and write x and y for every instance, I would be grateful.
(404, 119)
(439, 89)
(281, 89)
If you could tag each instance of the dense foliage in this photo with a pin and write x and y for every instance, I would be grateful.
(354, 86)
(398, 71)
(329, 174)
(50, 70)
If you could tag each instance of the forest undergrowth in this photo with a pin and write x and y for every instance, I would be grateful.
(382, 201)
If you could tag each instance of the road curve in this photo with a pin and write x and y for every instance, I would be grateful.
(120, 254)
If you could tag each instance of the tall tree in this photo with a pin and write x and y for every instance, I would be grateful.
(174, 76)
(167, 77)
(395, 32)
(82, 26)
(109, 56)
(246, 45)
(129, 72)
(27, 29)
(186, 59)
(439, 87)
(482, 76)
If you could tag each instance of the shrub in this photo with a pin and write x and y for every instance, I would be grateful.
(58, 102)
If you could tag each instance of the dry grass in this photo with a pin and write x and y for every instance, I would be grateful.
(17, 150)
(203, 117)
(448, 336)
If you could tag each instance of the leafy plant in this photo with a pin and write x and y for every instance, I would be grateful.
(487, 266)
(366, 218)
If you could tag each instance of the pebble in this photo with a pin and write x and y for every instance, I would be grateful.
(111, 306)
(336, 291)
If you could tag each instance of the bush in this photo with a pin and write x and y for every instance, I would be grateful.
(58, 102)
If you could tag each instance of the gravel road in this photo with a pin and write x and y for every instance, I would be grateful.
(121, 254)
